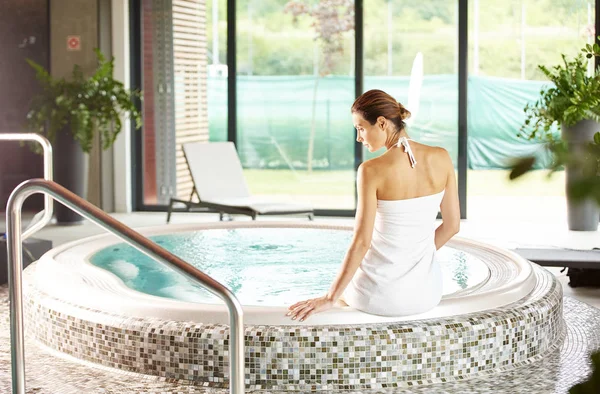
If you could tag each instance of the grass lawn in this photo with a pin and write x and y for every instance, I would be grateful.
(341, 183)
(333, 183)
(496, 183)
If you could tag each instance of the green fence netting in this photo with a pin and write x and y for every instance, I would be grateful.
(275, 117)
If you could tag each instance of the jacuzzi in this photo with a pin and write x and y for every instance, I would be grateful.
(499, 311)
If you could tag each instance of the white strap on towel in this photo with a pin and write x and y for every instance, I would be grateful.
(404, 142)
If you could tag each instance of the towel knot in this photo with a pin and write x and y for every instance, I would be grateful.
(403, 141)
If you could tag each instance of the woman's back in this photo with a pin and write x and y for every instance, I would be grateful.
(397, 179)
(399, 274)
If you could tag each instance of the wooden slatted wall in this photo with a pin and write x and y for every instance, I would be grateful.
(190, 67)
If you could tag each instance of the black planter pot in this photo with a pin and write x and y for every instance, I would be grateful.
(68, 160)
(582, 215)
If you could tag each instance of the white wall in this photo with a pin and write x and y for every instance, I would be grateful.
(106, 192)
(122, 165)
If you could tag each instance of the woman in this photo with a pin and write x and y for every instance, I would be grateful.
(390, 268)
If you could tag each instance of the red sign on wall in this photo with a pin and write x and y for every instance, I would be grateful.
(73, 43)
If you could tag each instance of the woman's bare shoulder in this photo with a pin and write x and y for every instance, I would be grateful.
(438, 155)
(442, 153)
(373, 168)
(368, 165)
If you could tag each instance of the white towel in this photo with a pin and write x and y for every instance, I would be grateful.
(399, 275)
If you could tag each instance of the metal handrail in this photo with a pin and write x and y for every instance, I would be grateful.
(48, 171)
(135, 239)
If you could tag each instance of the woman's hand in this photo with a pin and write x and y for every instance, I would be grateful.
(304, 309)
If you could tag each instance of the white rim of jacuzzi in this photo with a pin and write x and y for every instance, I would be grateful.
(65, 274)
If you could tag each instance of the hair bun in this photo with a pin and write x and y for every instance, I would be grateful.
(404, 113)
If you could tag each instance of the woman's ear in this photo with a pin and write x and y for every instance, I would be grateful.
(381, 122)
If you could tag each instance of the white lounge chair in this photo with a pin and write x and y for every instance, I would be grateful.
(220, 185)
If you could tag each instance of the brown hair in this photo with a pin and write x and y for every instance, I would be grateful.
(375, 103)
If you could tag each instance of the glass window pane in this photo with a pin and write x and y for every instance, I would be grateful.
(508, 40)
(216, 32)
(404, 38)
(295, 135)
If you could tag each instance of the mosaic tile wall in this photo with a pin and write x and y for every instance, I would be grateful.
(310, 357)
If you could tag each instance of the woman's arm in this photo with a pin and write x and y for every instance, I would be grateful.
(361, 242)
(449, 207)
(363, 231)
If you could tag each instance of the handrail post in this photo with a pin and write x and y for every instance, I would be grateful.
(48, 175)
(236, 349)
(135, 239)
(15, 285)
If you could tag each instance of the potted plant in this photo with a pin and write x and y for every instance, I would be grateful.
(573, 103)
(70, 112)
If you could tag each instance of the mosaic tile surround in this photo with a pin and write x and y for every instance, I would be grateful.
(375, 356)
(52, 372)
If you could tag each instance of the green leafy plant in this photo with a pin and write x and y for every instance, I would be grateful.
(87, 105)
(592, 385)
(572, 97)
(586, 162)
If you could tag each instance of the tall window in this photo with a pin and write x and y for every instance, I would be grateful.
(411, 52)
(295, 86)
(508, 40)
(216, 30)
